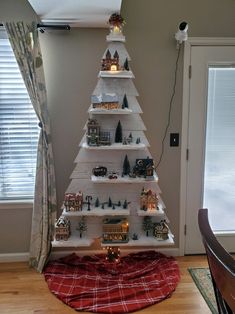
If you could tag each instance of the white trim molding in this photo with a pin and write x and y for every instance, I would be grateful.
(14, 257)
(192, 41)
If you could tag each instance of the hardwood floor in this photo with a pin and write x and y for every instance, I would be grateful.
(24, 291)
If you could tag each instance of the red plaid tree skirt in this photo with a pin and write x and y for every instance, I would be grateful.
(93, 284)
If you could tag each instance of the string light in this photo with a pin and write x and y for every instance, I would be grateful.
(113, 254)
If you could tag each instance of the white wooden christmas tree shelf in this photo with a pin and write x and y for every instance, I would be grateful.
(116, 74)
(73, 241)
(116, 146)
(125, 179)
(115, 37)
(112, 157)
(98, 212)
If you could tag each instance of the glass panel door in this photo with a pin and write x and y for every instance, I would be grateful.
(219, 174)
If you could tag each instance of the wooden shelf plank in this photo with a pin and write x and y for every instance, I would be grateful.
(144, 241)
(123, 179)
(109, 111)
(73, 241)
(116, 74)
(116, 146)
(118, 37)
(98, 211)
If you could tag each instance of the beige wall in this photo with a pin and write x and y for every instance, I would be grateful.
(16, 10)
(150, 32)
(72, 61)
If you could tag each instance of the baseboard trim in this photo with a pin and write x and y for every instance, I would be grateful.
(59, 254)
(14, 257)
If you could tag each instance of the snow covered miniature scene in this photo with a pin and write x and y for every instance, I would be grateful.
(113, 198)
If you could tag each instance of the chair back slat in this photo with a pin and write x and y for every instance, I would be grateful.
(221, 264)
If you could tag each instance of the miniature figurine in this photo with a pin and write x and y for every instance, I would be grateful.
(135, 236)
(124, 142)
(113, 175)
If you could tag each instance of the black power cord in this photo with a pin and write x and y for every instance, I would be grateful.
(170, 107)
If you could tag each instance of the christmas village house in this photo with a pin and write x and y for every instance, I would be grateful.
(148, 200)
(115, 230)
(105, 101)
(62, 229)
(73, 201)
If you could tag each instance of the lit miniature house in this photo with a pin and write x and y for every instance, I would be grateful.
(73, 201)
(93, 132)
(110, 63)
(115, 230)
(62, 229)
(161, 230)
(148, 200)
(105, 101)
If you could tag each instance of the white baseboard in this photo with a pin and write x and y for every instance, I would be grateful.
(14, 257)
(59, 254)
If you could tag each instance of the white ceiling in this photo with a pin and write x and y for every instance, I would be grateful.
(77, 13)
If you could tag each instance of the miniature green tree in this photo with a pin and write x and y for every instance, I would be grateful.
(126, 65)
(119, 203)
(116, 55)
(82, 226)
(126, 166)
(97, 202)
(102, 206)
(110, 202)
(108, 54)
(147, 224)
(125, 204)
(138, 140)
(113, 206)
(118, 133)
(125, 102)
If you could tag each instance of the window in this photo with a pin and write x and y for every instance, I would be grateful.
(219, 180)
(18, 129)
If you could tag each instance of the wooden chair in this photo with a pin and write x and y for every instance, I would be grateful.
(221, 264)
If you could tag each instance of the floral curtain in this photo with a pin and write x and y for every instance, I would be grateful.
(25, 43)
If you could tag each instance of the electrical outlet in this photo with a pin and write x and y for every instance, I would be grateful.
(174, 139)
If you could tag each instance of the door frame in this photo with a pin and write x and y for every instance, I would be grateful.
(192, 41)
